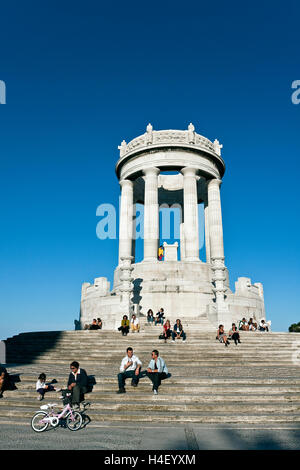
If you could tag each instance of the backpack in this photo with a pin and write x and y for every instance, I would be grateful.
(90, 383)
(66, 397)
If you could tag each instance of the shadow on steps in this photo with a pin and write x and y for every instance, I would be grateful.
(25, 348)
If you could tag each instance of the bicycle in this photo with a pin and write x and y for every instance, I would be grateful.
(41, 420)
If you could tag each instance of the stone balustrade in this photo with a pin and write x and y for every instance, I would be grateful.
(170, 137)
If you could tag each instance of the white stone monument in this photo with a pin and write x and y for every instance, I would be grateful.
(182, 284)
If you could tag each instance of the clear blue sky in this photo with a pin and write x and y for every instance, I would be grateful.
(82, 76)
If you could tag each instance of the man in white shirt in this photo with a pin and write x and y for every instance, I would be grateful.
(263, 326)
(130, 368)
(157, 370)
(135, 324)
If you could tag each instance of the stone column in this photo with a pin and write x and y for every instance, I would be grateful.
(151, 215)
(126, 219)
(191, 224)
(182, 247)
(217, 251)
(126, 289)
(206, 230)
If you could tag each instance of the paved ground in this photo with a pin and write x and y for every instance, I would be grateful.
(192, 437)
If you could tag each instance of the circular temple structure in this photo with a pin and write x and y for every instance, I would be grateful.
(182, 283)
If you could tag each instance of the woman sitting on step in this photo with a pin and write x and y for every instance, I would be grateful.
(167, 332)
(234, 334)
(150, 316)
(124, 326)
(252, 325)
(221, 336)
(178, 332)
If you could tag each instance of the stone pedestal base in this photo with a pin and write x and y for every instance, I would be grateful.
(183, 288)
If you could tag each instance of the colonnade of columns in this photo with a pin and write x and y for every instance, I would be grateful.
(189, 230)
(190, 227)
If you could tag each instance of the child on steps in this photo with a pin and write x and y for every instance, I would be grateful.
(42, 387)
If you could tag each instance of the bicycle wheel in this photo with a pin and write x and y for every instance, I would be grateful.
(74, 423)
(36, 422)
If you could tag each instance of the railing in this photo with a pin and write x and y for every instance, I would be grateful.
(153, 138)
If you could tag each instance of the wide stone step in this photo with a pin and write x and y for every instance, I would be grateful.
(258, 380)
(153, 332)
(144, 394)
(155, 403)
(212, 348)
(181, 363)
(117, 356)
(177, 379)
(168, 417)
(192, 387)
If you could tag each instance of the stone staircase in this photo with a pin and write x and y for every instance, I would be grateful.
(257, 381)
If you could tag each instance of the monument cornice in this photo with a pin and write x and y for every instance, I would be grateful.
(153, 141)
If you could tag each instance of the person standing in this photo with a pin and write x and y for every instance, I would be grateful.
(77, 383)
(130, 368)
(160, 252)
(157, 370)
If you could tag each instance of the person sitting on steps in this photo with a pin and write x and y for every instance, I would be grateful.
(124, 326)
(160, 317)
(5, 381)
(135, 324)
(94, 325)
(77, 383)
(157, 370)
(150, 318)
(234, 334)
(167, 332)
(252, 325)
(42, 387)
(221, 336)
(130, 368)
(178, 332)
(243, 325)
(263, 326)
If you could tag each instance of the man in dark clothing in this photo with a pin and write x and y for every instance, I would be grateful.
(77, 383)
(94, 325)
(160, 317)
(5, 381)
(178, 332)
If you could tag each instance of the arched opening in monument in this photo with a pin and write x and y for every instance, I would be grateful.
(138, 233)
(202, 250)
(170, 219)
